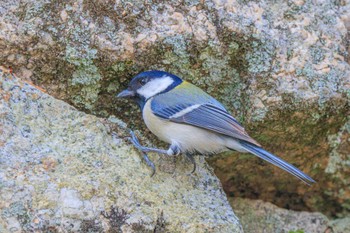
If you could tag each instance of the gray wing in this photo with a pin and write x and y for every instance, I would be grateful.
(210, 114)
(212, 118)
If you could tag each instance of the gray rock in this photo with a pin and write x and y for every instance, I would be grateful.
(340, 225)
(63, 170)
(258, 216)
(281, 67)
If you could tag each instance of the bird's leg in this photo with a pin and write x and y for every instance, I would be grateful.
(149, 163)
(190, 157)
(144, 149)
(174, 149)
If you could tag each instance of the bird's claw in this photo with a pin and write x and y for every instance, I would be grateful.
(135, 141)
(144, 150)
(193, 161)
(149, 163)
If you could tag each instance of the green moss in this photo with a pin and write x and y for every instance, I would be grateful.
(297, 231)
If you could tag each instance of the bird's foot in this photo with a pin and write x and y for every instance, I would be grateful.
(172, 151)
(149, 163)
(144, 150)
(193, 161)
(134, 140)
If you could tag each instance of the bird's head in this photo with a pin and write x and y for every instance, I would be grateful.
(148, 84)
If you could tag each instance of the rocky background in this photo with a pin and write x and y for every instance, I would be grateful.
(281, 68)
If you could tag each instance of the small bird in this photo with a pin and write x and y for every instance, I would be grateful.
(192, 121)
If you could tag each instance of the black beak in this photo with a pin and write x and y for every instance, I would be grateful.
(125, 94)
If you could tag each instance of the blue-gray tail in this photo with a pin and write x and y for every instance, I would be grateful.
(263, 154)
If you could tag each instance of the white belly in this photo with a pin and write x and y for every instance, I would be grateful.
(187, 137)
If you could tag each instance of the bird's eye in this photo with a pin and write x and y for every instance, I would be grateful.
(143, 81)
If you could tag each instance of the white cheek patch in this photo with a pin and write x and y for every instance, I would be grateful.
(155, 86)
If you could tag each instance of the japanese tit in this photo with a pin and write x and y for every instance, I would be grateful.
(192, 121)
